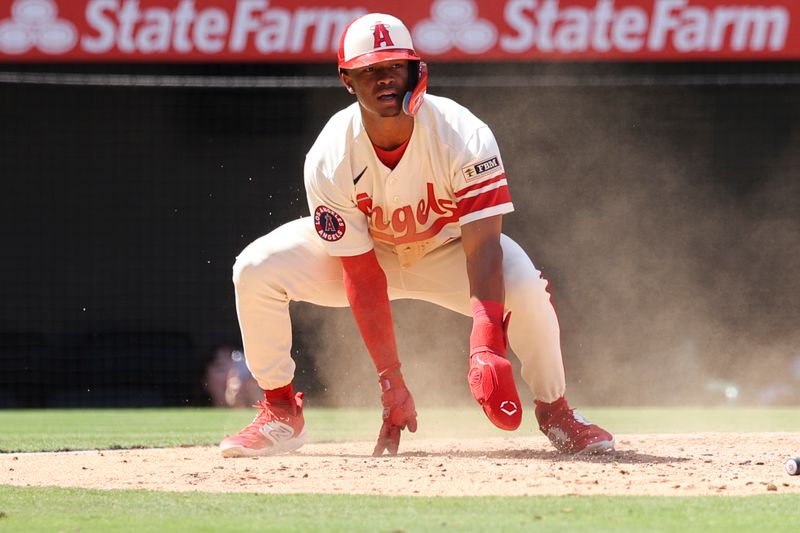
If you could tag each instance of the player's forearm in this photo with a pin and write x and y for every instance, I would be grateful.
(367, 291)
(484, 255)
(485, 272)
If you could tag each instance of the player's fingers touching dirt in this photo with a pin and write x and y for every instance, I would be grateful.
(388, 440)
(399, 413)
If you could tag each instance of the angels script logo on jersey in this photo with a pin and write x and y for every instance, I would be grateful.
(329, 224)
(35, 23)
(409, 223)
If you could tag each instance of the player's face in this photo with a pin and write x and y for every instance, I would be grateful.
(380, 88)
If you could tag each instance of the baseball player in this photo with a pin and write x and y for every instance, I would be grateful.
(407, 193)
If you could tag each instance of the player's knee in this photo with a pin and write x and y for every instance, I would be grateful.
(525, 287)
(241, 271)
(249, 270)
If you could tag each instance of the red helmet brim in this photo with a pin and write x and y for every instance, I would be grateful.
(370, 58)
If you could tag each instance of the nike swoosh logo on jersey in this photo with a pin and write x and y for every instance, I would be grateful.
(355, 180)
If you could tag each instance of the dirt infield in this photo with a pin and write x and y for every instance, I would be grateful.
(695, 464)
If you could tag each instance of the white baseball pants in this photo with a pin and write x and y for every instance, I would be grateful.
(290, 264)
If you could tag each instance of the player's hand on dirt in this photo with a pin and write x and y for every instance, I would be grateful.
(399, 413)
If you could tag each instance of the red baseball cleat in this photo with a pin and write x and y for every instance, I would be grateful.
(276, 429)
(491, 381)
(570, 432)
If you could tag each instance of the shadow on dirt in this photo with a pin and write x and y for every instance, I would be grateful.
(618, 457)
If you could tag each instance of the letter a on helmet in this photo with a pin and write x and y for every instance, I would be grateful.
(378, 37)
(382, 37)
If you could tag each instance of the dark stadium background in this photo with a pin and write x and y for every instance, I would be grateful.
(661, 200)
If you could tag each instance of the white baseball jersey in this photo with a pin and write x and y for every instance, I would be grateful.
(450, 174)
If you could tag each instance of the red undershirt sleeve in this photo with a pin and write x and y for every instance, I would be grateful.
(367, 291)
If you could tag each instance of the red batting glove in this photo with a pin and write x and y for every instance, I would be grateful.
(398, 413)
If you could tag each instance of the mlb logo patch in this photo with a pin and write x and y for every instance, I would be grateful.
(473, 171)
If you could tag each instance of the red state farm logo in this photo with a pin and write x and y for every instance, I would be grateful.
(35, 23)
(599, 27)
(329, 224)
(660, 27)
(455, 23)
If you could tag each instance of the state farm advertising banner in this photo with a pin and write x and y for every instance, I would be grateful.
(443, 30)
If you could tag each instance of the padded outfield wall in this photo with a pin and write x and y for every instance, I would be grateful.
(661, 204)
(653, 168)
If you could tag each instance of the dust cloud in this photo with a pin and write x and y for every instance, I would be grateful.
(673, 270)
(668, 232)
(433, 345)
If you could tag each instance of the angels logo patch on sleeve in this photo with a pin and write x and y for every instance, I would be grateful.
(329, 224)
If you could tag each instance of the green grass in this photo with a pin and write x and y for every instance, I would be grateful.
(80, 429)
(26, 509)
(58, 509)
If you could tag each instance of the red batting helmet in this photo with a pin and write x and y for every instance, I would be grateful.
(377, 37)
